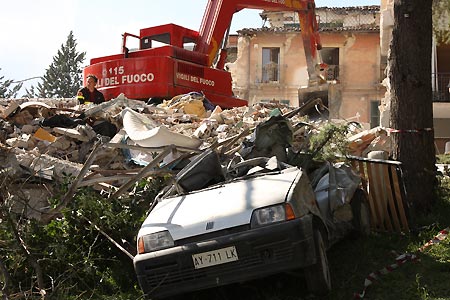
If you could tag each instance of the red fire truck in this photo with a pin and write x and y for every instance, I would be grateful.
(164, 66)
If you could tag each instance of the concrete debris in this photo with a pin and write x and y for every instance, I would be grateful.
(53, 139)
(375, 139)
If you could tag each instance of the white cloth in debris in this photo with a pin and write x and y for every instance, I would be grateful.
(146, 133)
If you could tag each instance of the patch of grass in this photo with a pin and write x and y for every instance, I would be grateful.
(428, 278)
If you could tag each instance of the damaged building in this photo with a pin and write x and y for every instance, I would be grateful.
(268, 64)
(271, 65)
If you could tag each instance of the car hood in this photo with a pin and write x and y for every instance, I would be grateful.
(219, 207)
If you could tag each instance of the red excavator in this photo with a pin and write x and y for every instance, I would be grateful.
(173, 60)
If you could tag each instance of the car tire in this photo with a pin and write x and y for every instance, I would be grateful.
(318, 279)
(361, 212)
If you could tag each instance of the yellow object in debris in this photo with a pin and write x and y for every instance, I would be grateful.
(42, 134)
(194, 107)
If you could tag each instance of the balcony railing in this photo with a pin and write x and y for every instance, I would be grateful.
(332, 72)
(270, 73)
(440, 87)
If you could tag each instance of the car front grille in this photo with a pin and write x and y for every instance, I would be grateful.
(252, 256)
(212, 235)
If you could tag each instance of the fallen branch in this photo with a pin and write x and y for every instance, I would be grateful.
(110, 239)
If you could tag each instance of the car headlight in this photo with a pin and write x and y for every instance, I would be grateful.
(155, 241)
(272, 214)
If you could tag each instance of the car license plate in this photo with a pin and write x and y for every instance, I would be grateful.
(216, 257)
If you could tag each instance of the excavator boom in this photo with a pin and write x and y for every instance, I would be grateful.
(219, 13)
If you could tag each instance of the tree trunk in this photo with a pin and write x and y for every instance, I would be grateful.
(411, 100)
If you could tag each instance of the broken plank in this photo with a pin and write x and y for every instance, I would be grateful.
(398, 196)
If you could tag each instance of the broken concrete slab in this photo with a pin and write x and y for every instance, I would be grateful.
(82, 133)
(11, 108)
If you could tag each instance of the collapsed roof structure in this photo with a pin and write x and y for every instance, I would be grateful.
(113, 145)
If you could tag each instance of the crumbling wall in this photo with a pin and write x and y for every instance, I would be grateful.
(247, 70)
(386, 27)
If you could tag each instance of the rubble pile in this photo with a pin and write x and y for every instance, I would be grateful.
(56, 138)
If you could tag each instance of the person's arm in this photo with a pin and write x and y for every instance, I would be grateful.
(80, 96)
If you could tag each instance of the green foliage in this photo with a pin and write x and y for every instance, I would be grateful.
(78, 261)
(31, 92)
(330, 142)
(6, 90)
(443, 159)
(441, 21)
(64, 76)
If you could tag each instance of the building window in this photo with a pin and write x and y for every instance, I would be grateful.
(374, 113)
(270, 64)
(330, 56)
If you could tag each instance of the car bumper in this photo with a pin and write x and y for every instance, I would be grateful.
(261, 252)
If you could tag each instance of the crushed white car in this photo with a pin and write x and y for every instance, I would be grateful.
(259, 217)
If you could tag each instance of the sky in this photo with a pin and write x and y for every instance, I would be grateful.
(32, 31)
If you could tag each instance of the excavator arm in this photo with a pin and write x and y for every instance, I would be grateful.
(219, 13)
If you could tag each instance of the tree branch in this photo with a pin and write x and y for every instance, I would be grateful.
(23, 247)
(7, 280)
(110, 239)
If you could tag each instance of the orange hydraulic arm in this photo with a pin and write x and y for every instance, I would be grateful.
(219, 13)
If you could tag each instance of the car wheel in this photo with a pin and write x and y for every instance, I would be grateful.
(318, 279)
(361, 213)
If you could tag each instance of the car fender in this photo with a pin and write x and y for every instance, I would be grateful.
(302, 198)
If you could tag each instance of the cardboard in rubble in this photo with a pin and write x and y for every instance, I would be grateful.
(44, 135)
